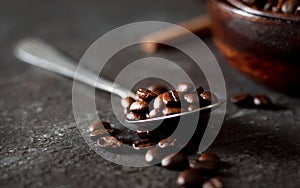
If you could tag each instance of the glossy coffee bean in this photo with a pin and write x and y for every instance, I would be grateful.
(190, 178)
(109, 141)
(96, 134)
(99, 125)
(154, 155)
(168, 142)
(203, 165)
(145, 94)
(143, 144)
(158, 88)
(127, 101)
(211, 157)
(175, 161)
(191, 98)
(215, 182)
(158, 102)
(155, 113)
(262, 101)
(243, 100)
(169, 111)
(135, 116)
(290, 6)
(171, 98)
(185, 87)
(139, 106)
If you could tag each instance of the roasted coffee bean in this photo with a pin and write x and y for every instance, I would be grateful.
(99, 125)
(262, 101)
(135, 116)
(191, 98)
(154, 155)
(190, 178)
(143, 144)
(158, 102)
(243, 100)
(209, 96)
(211, 157)
(158, 89)
(139, 107)
(155, 113)
(168, 142)
(203, 165)
(109, 141)
(96, 134)
(127, 101)
(169, 111)
(175, 161)
(171, 98)
(193, 107)
(145, 94)
(185, 87)
(215, 182)
(290, 6)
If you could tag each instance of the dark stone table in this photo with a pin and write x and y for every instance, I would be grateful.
(41, 145)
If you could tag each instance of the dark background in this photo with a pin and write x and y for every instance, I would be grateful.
(41, 145)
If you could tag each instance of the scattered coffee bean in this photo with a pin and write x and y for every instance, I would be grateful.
(211, 157)
(243, 100)
(127, 101)
(109, 141)
(190, 178)
(154, 155)
(206, 168)
(158, 89)
(175, 161)
(142, 144)
(135, 116)
(99, 125)
(215, 182)
(262, 101)
(96, 134)
(139, 107)
(168, 142)
(145, 94)
(170, 111)
(171, 98)
(185, 87)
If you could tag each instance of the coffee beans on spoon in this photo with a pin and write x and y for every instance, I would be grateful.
(155, 101)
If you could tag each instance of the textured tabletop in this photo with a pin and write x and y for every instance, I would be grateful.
(41, 145)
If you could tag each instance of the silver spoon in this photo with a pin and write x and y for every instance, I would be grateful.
(41, 54)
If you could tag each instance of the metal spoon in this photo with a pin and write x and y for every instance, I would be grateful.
(41, 54)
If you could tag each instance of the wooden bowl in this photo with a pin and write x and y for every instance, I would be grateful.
(262, 46)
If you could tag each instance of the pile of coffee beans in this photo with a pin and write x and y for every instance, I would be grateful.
(283, 6)
(156, 101)
(249, 101)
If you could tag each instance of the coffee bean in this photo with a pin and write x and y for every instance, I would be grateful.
(243, 100)
(290, 6)
(96, 134)
(211, 157)
(142, 144)
(158, 88)
(127, 101)
(203, 165)
(191, 98)
(158, 102)
(215, 182)
(155, 113)
(168, 142)
(99, 125)
(190, 178)
(175, 161)
(262, 101)
(139, 107)
(185, 87)
(170, 111)
(145, 94)
(109, 141)
(154, 155)
(135, 116)
(171, 98)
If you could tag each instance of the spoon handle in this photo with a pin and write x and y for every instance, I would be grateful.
(43, 55)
